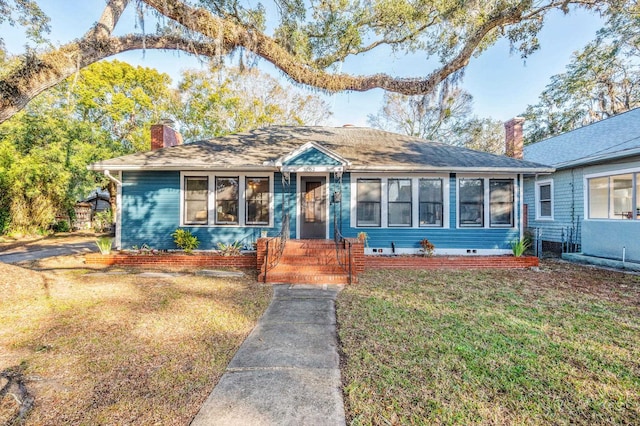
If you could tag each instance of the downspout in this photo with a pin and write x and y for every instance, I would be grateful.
(118, 208)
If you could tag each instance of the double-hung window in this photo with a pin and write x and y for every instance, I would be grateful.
(399, 202)
(500, 202)
(430, 202)
(257, 201)
(196, 200)
(471, 194)
(368, 202)
(227, 199)
(544, 200)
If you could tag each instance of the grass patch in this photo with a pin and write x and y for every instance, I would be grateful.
(120, 349)
(561, 345)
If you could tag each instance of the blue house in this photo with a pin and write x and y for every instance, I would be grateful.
(397, 189)
(591, 204)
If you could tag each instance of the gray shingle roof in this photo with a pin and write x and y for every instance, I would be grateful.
(364, 148)
(613, 137)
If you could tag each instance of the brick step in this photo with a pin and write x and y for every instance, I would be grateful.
(309, 260)
(309, 269)
(302, 278)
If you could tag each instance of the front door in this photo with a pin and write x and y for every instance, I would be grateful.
(313, 208)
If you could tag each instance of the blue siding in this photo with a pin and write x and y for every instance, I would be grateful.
(312, 157)
(284, 200)
(150, 208)
(442, 238)
(151, 212)
(568, 203)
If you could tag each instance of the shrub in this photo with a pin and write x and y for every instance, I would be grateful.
(427, 247)
(102, 220)
(185, 240)
(61, 226)
(518, 247)
(232, 249)
(364, 237)
(104, 244)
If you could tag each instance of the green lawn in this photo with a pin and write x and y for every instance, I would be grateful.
(560, 345)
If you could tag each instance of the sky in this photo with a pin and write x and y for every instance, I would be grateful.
(501, 83)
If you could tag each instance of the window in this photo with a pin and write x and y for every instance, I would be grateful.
(501, 202)
(368, 202)
(196, 200)
(227, 195)
(399, 199)
(614, 197)
(430, 202)
(599, 198)
(544, 200)
(622, 194)
(257, 201)
(471, 195)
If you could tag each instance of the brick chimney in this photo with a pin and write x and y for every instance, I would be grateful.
(513, 137)
(163, 136)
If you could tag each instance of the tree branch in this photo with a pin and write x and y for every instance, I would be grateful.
(37, 73)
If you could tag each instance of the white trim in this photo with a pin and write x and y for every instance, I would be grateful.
(300, 194)
(538, 184)
(486, 219)
(384, 202)
(520, 192)
(211, 203)
(609, 174)
(312, 169)
(119, 213)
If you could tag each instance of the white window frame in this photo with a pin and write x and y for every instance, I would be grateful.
(487, 201)
(609, 174)
(538, 200)
(242, 176)
(415, 196)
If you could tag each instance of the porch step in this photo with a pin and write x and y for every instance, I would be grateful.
(308, 262)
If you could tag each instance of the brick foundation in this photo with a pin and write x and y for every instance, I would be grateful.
(173, 260)
(449, 262)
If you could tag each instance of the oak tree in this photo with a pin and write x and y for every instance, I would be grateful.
(303, 40)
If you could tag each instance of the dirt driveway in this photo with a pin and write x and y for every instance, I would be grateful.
(17, 252)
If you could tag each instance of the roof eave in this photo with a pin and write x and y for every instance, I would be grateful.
(132, 167)
(598, 159)
(416, 169)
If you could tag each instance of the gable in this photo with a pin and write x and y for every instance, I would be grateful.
(312, 157)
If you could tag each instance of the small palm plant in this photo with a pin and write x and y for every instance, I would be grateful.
(104, 244)
(518, 247)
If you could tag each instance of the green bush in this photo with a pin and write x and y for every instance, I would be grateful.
(185, 240)
(104, 244)
(61, 226)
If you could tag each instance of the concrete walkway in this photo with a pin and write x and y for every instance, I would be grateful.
(287, 371)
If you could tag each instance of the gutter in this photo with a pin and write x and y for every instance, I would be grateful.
(118, 208)
(112, 178)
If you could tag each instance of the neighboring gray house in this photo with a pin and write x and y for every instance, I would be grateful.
(592, 201)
